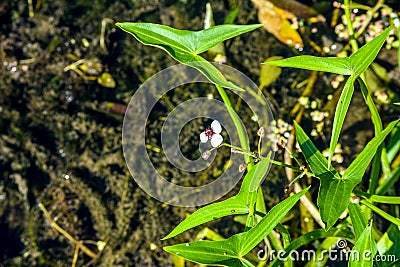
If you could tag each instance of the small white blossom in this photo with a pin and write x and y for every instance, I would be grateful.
(212, 134)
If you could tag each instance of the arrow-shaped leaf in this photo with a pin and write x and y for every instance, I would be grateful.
(353, 66)
(231, 206)
(334, 191)
(357, 168)
(327, 64)
(254, 236)
(361, 59)
(235, 205)
(340, 114)
(231, 252)
(185, 46)
(224, 252)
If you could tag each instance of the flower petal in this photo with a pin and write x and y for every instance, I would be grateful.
(203, 137)
(216, 127)
(216, 140)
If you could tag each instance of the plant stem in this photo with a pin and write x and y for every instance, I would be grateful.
(239, 127)
(353, 41)
(385, 215)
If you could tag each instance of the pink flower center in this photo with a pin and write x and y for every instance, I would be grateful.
(209, 132)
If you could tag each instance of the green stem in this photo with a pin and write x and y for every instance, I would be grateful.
(239, 150)
(389, 181)
(245, 146)
(379, 199)
(376, 119)
(380, 212)
(350, 29)
(380, 158)
(238, 124)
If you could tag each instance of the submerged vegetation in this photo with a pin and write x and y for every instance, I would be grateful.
(68, 73)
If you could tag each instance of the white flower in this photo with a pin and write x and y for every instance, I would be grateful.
(212, 134)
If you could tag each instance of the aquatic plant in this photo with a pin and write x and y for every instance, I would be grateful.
(340, 202)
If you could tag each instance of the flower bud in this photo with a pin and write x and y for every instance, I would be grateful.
(242, 167)
(206, 154)
(261, 132)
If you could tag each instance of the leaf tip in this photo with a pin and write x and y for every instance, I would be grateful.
(234, 87)
(271, 62)
(168, 249)
(296, 125)
(170, 235)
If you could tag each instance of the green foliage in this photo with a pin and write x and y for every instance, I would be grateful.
(231, 252)
(358, 219)
(239, 204)
(335, 190)
(185, 46)
(388, 244)
(354, 66)
(365, 248)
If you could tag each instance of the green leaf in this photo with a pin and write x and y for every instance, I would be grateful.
(259, 174)
(318, 163)
(394, 144)
(357, 168)
(254, 236)
(364, 250)
(358, 219)
(334, 192)
(224, 252)
(185, 46)
(385, 215)
(235, 205)
(327, 64)
(361, 59)
(333, 199)
(377, 198)
(232, 206)
(353, 65)
(389, 182)
(231, 252)
(389, 244)
(340, 114)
